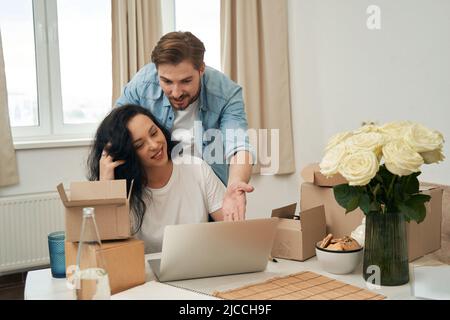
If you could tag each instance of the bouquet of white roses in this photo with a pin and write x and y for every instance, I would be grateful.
(381, 165)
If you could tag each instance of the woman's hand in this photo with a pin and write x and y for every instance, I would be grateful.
(107, 166)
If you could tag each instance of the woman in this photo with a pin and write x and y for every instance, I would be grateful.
(130, 144)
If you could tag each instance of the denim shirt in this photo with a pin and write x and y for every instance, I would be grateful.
(220, 107)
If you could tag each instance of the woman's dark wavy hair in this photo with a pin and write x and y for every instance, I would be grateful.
(113, 130)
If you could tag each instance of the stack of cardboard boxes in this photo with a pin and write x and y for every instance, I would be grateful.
(320, 214)
(123, 256)
(423, 238)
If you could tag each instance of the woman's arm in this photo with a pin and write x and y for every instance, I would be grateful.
(214, 191)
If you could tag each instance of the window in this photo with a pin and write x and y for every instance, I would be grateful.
(202, 18)
(58, 65)
(84, 28)
(58, 60)
(16, 25)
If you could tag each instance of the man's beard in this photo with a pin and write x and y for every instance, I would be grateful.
(193, 99)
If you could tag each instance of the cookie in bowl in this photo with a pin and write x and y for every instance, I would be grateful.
(339, 255)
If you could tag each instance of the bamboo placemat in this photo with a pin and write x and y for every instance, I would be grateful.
(299, 286)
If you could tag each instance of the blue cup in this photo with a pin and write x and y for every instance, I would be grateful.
(57, 254)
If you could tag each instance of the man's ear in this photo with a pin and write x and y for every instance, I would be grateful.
(202, 69)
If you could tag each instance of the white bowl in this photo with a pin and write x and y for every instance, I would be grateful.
(338, 262)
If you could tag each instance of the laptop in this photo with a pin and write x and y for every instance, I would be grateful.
(211, 249)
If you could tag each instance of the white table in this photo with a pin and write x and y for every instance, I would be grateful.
(40, 285)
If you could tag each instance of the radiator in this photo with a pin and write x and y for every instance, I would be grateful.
(25, 222)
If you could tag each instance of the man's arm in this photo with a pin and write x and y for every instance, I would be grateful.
(217, 215)
(240, 167)
(235, 201)
(129, 94)
(239, 153)
(133, 92)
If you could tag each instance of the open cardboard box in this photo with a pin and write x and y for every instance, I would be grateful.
(111, 204)
(295, 239)
(123, 259)
(422, 238)
(425, 237)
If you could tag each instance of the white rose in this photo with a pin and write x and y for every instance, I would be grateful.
(359, 167)
(332, 159)
(400, 158)
(395, 130)
(434, 156)
(337, 139)
(370, 141)
(422, 139)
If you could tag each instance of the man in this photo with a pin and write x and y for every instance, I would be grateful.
(179, 89)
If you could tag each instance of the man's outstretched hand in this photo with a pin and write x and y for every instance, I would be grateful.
(235, 201)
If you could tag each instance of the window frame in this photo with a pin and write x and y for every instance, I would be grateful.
(51, 129)
(51, 125)
(42, 81)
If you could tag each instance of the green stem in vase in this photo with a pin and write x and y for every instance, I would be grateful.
(391, 186)
(386, 248)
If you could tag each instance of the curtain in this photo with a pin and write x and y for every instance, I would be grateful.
(254, 51)
(136, 28)
(8, 166)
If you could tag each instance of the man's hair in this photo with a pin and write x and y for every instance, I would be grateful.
(175, 47)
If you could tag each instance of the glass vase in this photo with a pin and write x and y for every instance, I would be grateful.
(386, 249)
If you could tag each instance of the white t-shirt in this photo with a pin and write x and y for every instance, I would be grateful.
(183, 128)
(193, 192)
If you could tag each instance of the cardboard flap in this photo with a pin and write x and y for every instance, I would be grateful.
(311, 216)
(62, 194)
(99, 190)
(131, 189)
(311, 173)
(427, 188)
(308, 172)
(286, 212)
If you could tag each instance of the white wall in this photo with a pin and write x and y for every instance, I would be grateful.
(341, 74)
(41, 170)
